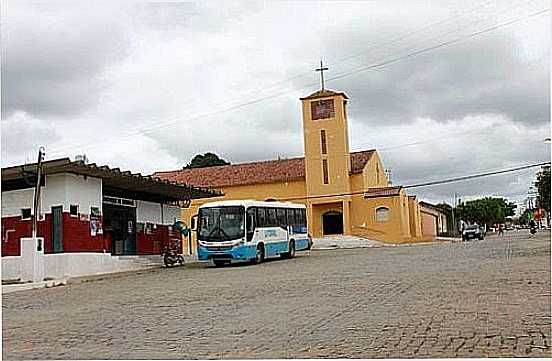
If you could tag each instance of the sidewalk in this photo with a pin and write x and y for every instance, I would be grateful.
(346, 242)
(29, 286)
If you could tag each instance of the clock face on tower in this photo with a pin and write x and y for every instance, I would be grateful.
(322, 109)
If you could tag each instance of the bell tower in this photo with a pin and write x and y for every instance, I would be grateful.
(326, 139)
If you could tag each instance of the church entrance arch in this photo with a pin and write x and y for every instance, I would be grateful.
(332, 223)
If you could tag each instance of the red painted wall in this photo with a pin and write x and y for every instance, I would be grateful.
(76, 235)
(77, 238)
(154, 242)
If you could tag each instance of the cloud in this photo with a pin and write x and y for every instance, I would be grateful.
(146, 86)
(21, 136)
(53, 56)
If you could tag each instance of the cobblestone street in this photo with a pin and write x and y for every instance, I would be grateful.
(475, 299)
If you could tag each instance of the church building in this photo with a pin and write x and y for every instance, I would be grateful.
(345, 193)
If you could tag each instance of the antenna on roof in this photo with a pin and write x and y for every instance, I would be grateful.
(81, 158)
(388, 174)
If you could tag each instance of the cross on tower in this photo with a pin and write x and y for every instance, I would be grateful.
(321, 70)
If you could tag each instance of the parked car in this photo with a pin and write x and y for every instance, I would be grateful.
(472, 232)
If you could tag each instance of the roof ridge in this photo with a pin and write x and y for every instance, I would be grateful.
(230, 165)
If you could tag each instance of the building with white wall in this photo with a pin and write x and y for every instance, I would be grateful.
(90, 208)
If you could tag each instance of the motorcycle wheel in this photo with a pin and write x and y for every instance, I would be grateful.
(180, 261)
(167, 262)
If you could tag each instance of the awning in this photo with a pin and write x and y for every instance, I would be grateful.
(114, 181)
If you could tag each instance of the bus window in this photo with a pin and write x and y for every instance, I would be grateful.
(290, 213)
(296, 217)
(251, 216)
(303, 218)
(281, 214)
(271, 217)
(261, 217)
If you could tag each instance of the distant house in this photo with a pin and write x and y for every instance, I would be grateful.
(436, 220)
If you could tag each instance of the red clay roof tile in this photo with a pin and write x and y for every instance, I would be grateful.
(269, 171)
(382, 192)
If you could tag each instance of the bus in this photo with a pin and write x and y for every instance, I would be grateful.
(246, 230)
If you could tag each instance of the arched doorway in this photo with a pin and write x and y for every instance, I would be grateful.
(332, 222)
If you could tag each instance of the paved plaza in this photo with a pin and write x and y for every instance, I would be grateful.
(475, 299)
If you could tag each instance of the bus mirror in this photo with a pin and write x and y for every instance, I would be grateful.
(193, 223)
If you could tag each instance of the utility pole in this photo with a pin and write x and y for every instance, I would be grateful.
(453, 220)
(36, 203)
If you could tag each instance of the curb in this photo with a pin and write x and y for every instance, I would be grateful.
(34, 285)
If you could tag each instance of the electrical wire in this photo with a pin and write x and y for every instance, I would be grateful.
(340, 76)
(433, 183)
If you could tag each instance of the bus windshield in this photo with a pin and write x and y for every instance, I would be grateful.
(221, 223)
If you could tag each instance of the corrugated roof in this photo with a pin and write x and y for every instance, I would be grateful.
(112, 178)
(269, 171)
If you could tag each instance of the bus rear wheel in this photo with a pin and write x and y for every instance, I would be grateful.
(259, 254)
(291, 252)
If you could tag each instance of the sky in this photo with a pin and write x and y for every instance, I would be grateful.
(440, 88)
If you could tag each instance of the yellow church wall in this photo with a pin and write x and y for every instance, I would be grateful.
(374, 173)
(337, 144)
(364, 224)
(318, 210)
(415, 218)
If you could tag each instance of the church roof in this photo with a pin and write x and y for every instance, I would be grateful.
(269, 171)
(324, 93)
(382, 192)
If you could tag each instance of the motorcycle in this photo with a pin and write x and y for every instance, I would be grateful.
(171, 257)
(533, 227)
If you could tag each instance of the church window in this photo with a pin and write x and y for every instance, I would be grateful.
(377, 173)
(382, 214)
(325, 170)
(322, 109)
(323, 141)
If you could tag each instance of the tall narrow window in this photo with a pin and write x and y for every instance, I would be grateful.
(325, 170)
(323, 141)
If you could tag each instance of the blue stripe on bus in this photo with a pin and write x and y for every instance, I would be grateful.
(247, 252)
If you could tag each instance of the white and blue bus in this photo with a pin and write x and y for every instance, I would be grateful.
(248, 230)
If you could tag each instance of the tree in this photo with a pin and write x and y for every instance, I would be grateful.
(543, 189)
(486, 210)
(206, 160)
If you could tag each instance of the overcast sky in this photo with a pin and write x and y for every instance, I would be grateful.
(144, 86)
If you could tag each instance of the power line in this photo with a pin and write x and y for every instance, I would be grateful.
(437, 46)
(340, 76)
(451, 180)
(443, 181)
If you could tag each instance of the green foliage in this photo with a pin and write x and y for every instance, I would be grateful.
(543, 189)
(206, 160)
(486, 210)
